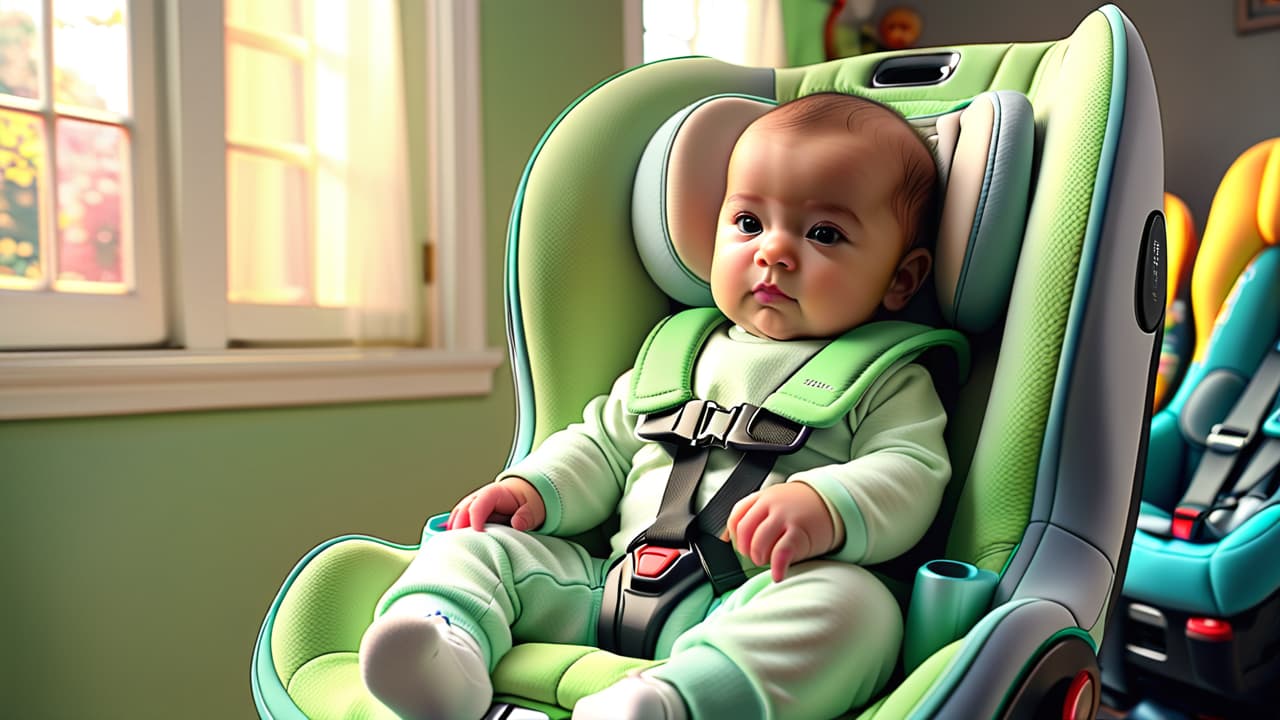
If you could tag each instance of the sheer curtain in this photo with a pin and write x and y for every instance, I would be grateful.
(744, 32)
(362, 175)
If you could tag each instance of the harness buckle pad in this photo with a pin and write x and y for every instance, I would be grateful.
(640, 591)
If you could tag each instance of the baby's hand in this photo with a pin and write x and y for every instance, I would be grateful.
(511, 501)
(781, 524)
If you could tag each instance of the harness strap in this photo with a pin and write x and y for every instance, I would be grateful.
(663, 374)
(745, 479)
(1229, 448)
(675, 514)
(1253, 491)
(827, 387)
(824, 389)
(1265, 459)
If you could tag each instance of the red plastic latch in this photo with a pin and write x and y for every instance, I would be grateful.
(653, 561)
(1184, 521)
(1209, 629)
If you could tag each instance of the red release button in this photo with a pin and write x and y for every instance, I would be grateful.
(1210, 629)
(1184, 521)
(653, 561)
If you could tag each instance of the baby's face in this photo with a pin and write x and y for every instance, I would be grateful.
(807, 242)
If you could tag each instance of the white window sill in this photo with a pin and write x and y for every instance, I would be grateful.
(67, 384)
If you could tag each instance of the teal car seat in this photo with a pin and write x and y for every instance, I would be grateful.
(1199, 621)
(1050, 262)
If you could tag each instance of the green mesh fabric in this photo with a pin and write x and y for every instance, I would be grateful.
(910, 691)
(594, 673)
(560, 674)
(995, 503)
(329, 688)
(534, 670)
(331, 602)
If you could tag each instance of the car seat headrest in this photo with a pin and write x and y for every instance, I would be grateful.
(1243, 220)
(1269, 197)
(984, 155)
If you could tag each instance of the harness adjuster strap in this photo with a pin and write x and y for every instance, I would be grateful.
(1225, 438)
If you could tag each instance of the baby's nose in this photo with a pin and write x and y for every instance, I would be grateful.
(776, 249)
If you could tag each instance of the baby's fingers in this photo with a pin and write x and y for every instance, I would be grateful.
(784, 551)
(522, 519)
(744, 531)
(459, 516)
(731, 531)
(765, 538)
(481, 508)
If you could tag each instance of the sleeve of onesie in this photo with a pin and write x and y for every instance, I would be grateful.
(581, 471)
(887, 495)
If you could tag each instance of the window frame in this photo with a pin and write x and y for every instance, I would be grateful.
(136, 317)
(204, 373)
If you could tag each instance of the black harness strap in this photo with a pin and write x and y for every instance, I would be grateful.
(1228, 449)
(1255, 490)
(746, 478)
(675, 515)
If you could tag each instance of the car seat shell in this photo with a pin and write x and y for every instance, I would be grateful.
(1049, 439)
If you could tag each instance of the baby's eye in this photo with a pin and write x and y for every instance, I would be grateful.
(825, 235)
(748, 224)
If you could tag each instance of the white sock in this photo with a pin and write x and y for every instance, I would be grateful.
(422, 668)
(635, 697)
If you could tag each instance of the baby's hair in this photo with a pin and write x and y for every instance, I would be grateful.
(916, 200)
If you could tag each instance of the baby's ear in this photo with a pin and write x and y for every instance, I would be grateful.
(908, 279)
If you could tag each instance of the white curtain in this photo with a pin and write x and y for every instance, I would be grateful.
(319, 206)
(363, 178)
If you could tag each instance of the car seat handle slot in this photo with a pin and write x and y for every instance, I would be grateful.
(928, 69)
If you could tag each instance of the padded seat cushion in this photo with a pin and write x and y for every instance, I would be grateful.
(1215, 579)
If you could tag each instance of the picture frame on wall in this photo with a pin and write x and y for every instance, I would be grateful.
(1255, 15)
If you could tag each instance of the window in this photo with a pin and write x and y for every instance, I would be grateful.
(317, 180)
(79, 253)
(744, 32)
(279, 208)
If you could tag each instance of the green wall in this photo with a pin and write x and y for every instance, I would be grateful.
(142, 552)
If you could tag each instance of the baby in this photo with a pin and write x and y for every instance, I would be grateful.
(820, 231)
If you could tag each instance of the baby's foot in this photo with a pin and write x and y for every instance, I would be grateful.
(422, 668)
(635, 697)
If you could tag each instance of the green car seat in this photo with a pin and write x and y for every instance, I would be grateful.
(1199, 619)
(1050, 261)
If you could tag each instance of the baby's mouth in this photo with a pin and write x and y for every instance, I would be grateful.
(768, 294)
